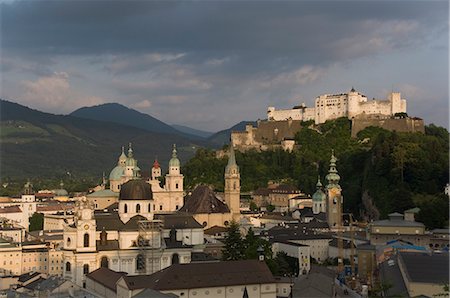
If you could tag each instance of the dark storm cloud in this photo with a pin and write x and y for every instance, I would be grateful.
(252, 32)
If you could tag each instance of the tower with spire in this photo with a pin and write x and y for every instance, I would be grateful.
(232, 191)
(334, 196)
(174, 180)
(319, 199)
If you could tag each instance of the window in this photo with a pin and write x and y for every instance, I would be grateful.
(160, 207)
(138, 208)
(176, 185)
(68, 242)
(86, 240)
(149, 208)
(85, 269)
(176, 207)
(234, 185)
(67, 266)
(104, 262)
(140, 262)
(125, 208)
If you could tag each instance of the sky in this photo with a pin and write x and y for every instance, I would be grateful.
(212, 64)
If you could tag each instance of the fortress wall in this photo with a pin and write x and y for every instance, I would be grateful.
(400, 125)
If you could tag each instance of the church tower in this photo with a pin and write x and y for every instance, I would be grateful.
(232, 185)
(334, 196)
(319, 199)
(156, 170)
(174, 180)
(86, 227)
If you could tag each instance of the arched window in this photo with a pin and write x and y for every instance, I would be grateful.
(125, 208)
(86, 240)
(69, 241)
(175, 259)
(176, 185)
(140, 262)
(138, 208)
(85, 269)
(226, 223)
(149, 208)
(234, 185)
(67, 266)
(104, 262)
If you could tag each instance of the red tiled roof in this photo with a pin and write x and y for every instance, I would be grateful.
(10, 209)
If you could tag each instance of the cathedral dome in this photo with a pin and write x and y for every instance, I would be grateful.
(136, 189)
(116, 173)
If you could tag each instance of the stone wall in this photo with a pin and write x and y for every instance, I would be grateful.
(392, 124)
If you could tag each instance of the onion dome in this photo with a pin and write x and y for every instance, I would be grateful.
(61, 192)
(333, 176)
(136, 189)
(174, 161)
(122, 157)
(319, 195)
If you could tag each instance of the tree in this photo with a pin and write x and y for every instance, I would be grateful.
(234, 246)
(36, 222)
(270, 208)
(253, 206)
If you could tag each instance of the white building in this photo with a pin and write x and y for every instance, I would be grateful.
(332, 106)
(295, 250)
(132, 240)
(167, 197)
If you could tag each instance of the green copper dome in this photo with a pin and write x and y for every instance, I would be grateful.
(174, 161)
(116, 173)
(319, 195)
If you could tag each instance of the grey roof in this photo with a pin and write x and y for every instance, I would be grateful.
(153, 294)
(27, 276)
(315, 284)
(106, 277)
(294, 234)
(203, 200)
(397, 223)
(204, 274)
(391, 274)
(110, 245)
(425, 268)
(178, 220)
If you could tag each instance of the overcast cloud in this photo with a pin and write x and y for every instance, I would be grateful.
(211, 64)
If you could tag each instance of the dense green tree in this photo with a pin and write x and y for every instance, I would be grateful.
(234, 246)
(36, 222)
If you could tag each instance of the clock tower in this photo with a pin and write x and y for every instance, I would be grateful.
(334, 196)
(86, 227)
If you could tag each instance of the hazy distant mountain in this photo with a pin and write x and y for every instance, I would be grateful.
(223, 137)
(35, 144)
(192, 131)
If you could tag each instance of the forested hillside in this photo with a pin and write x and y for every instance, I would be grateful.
(380, 171)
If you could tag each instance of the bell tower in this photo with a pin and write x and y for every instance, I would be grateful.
(232, 185)
(334, 197)
(86, 227)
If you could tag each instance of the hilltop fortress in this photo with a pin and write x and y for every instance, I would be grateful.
(279, 130)
(332, 106)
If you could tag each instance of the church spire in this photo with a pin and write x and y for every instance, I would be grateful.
(231, 162)
(130, 151)
(333, 176)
